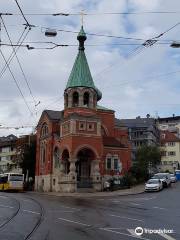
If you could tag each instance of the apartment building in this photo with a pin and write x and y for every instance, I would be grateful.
(7, 152)
(170, 151)
(141, 131)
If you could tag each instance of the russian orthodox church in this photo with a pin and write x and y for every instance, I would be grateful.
(82, 145)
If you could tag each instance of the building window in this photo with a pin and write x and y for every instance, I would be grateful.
(86, 99)
(44, 130)
(43, 154)
(54, 181)
(172, 144)
(108, 163)
(171, 153)
(116, 165)
(82, 126)
(163, 153)
(56, 157)
(75, 99)
(163, 136)
(165, 162)
(43, 182)
(66, 100)
(113, 163)
(90, 126)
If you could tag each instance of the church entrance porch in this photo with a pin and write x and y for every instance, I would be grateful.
(84, 169)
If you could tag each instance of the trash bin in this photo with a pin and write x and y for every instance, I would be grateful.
(177, 173)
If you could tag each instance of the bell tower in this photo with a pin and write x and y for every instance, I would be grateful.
(80, 91)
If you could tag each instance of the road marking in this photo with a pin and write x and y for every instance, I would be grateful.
(3, 196)
(136, 204)
(166, 236)
(30, 211)
(134, 219)
(159, 208)
(125, 234)
(67, 220)
(71, 208)
(144, 199)
(26, 200)
(61, 211)
(116, 201)
(5, 206)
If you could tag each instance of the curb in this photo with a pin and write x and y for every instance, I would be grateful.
(85, 196)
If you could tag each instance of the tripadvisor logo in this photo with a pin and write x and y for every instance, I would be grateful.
(139, 231)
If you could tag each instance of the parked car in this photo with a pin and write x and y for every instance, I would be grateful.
(153, 185)
(164, 177)
(173, 178)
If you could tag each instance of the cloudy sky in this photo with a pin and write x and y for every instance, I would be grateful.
(133, 81)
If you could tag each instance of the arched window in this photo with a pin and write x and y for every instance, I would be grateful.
(66, 99)
(65, 161)
(44, 130)
(75, 99)
(86, 99)
(43, 154)
(56, 157)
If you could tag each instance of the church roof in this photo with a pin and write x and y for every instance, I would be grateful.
(54, 115)
(112, 142)
(104, 108)
(80, 74)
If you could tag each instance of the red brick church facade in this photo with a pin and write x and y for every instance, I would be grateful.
(82, 145)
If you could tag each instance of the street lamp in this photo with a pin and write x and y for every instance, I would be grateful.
(175, 44)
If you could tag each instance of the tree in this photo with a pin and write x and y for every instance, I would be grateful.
(29, 159)
(26, 147)
(147, 159)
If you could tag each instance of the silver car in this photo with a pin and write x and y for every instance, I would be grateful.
(173, 178)
(164, 177)
(153, 185)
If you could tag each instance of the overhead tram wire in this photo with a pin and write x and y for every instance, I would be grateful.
(19, 43)
(145, 44)
(20, 65)
(27, 23)
(29, 28)
(66, 14)
(17, 85)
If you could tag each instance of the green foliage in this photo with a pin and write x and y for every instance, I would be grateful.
(147, 158)
(29, 159)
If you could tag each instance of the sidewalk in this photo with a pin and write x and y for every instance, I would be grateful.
(124, 192)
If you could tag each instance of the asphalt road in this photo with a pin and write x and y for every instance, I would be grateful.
(41, 217)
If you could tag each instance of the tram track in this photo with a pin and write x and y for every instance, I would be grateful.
(39, 221)
(14, 214)
(17, 213)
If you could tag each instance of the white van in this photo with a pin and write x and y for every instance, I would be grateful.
(164, 177)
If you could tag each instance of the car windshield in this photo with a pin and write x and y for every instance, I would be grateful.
(159, 176)
(172, 175)
(152, 181)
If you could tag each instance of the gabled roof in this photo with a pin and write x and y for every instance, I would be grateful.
(112, 142)
(54, 115)
(167, 136)
(80, 74)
